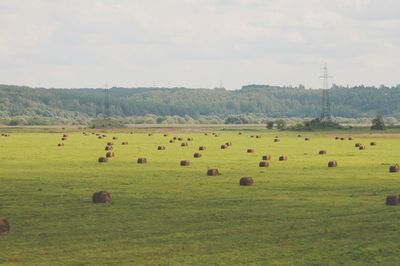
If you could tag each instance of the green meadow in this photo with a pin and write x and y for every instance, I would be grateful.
(298, 212)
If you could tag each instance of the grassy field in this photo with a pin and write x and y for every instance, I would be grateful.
(298, 212)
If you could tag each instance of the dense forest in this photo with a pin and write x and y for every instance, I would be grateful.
(79, 105)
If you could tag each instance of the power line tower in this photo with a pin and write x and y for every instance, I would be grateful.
(326, 114)
(106, 102)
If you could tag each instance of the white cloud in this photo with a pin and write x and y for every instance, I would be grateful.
(197, 43)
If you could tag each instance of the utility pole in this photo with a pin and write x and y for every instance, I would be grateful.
(326, 114)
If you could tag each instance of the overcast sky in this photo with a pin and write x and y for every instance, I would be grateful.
(198, 43)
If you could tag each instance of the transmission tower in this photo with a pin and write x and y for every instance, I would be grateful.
(106, 102)
(326, 114)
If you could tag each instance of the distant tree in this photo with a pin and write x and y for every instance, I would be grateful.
(378, 123)
(270, 124)
(281, 124)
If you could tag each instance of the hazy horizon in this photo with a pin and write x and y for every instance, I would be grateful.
(199, 44)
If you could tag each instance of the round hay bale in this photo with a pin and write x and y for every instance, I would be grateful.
(165, 135)
(205, 134)
(266, 157)
(141, 160)
(251, 136)
(4, 226)
(350, 138)
(246, 181)
(332, 164)
(99, 137)
(240, 133)
(180, 139)
(124, 143)
(197, 155)
(60, 144)
(213, 172)
(306, 139)
(283, 158)
(337, 138)
(223, 146)
(161, 148)
(362, 147)
(216, 135)
(189, 139)
(184, 163)
(322, 152)
(114, 138)
(175, 138)
(110, 143)
(108, 148)
(171, 141)
(258, 137)
(250, 150)
(110, 154)
(101, 197)
(357, 145)
(373, 143)
(184, 144)
(104, 136)
(202, 148)
(150, 134)
(299, 136)
(393, 200)
(276, 140)
(228, 144)
(65, 136)
(102, 160)
(63, 139)
(394, 168)
(263, 164)
(342, 138)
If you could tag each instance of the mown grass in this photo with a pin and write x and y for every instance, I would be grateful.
(298, 212)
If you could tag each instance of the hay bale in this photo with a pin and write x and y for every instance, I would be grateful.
(60, 144)
(350, 138)
(362, 147)
(65, 136)
(180, 139)
(150, 134)
(197, 155)
(110, 143)
(124, 143)
(251, 136)
(337, 138)
(394, 168)
(263, 164)
(258, 137)
(250, 150)
(373, 143)
(189, 139)
(213, 172)
(165, 135)
(110, 154)
(101, 197)
(205, 134)
(175, 138)
(228, 144)
(114, 138)
(283, 158)
(240, 133)
(184, 144)
(99, 137)
(184, 163)
(223, 146)
(108, 148)
(246, 181)
(393, 200)
(202, 148)
(306, 139)
(142, 160)
(171, 141)
(332, 164)
(357, 145)
(102, 160)
(216, 135)
(266, 157)
(276, 140)
(322, 152)
(341, 138)
(161, 148)
(63, 139)
(104, 136)
(4, 226)
(299, 136)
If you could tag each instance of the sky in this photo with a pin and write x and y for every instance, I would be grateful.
(198, 43)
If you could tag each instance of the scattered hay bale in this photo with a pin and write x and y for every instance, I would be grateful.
(357, 145)
(283, 158)
(110, 143)
(341, 138)
(150, 134)
(102, 160)
(108, 148)
(350, 138)
(165, 135)
(101, 197)
(362, 147)
(189, 139)
(263, 164)
(251, 136)
(373, 143)
(142, 160)
(202, 148)
(240, 133)
(337, 138)
(175, 138)
(171, 141)
(299, 136)
(124, 143)
(114, 138)
(104, 136)
(4, 226)
(393, 200)
(60, 144)
(205, 134)
(213, 172)
(228, 144)
(65, 136)
(322, 152)
(306, 139)
(394, 168)
(223, 146)
(258, 137)
(180, 139)
(332, 164)
(250, 150)
(99, 137)
(246, 181)
(184, 144)
(184, 163)
(216, 135)
(276, 140)
(110, 154)
(161, 148)
(197, 155)
(63, 139)
(266, 157)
